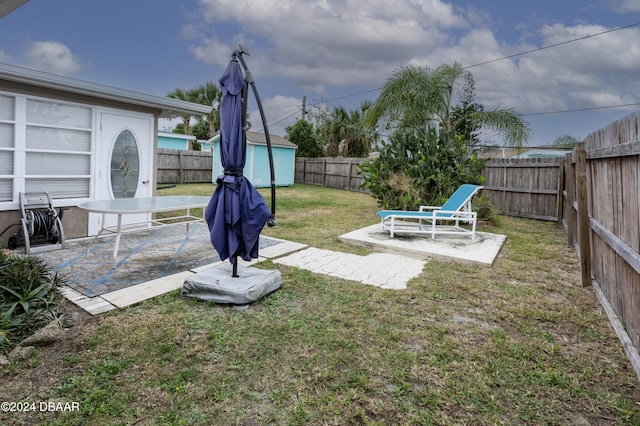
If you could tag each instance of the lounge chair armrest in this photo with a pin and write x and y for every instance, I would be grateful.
(456, 214)
(429, 208)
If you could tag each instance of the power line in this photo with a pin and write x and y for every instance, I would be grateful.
(581, 109)
(261, 128)
(553, 45)
(349, 96)
(520, 54)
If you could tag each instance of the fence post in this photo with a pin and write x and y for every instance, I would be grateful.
(304, 170)
(324, 172)
(583, 215)
(180, 168)
(560, 200)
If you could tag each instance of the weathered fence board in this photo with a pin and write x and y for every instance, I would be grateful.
(597, 199)
(176, 166)
(613, 209)
(524, 187)
(341, 173)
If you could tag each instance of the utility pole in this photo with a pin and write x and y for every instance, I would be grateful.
(304, 107)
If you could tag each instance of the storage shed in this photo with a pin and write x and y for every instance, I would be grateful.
(168, 140)
(257, 165)
(79, 141)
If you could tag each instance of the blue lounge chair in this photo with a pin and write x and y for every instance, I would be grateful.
(445, 219)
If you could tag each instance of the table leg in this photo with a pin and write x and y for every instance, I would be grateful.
(117, 244)
(95, 239)
(188, 214)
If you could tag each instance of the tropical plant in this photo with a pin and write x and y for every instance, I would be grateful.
(29, 297)
(417, 97)
(566, 141)
(347, 134)
(183, 96)
(208, 94)
(462, 115)
(303, 135)
(420, 167)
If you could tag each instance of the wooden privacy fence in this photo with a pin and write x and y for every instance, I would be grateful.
(594, 191)
(176, 166)
(341, 173)
(601, 213)
(524, 187)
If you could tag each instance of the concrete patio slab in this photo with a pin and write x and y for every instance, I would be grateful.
(277, 250)
(138, 293)
(135, 294)
(483, 249)
(93, 305)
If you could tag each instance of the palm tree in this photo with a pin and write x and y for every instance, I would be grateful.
(206, 94)
(347, 134)
(183, 96)
(417, 97)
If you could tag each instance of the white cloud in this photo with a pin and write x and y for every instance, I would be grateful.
(3, 56)
(280, 112)
(624, 6)
(309, 40)
(320, 44)
(52, 56)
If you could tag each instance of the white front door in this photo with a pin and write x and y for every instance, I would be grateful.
(124, 157)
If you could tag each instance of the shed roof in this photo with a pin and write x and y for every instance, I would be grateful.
(169, 107)
(8, 6)
(176, 135)
(260, 139)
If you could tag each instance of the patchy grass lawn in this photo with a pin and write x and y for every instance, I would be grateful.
(517, 343)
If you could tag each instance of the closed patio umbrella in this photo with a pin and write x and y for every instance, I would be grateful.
(236, 212)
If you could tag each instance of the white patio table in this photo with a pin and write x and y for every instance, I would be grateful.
(152, 205)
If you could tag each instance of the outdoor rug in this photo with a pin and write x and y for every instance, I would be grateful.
(143, 256)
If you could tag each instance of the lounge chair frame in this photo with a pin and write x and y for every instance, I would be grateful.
(435, 220)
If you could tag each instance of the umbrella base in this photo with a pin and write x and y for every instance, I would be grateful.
(217, 285)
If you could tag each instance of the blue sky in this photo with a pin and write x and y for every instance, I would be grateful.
(337, 53)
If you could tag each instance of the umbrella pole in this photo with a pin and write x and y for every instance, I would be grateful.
(234, 273)
(249, 78)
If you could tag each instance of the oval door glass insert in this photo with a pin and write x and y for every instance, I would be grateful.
(125, 166)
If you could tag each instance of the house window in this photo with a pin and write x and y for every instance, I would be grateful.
(58, 148)
(44, 146)
(7, 147)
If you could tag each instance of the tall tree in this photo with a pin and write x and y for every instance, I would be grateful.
(205, 94)
(347, 133)
(183, 96)
(566, 141)
(463, 113)
(208, 94)
(416, 97)
(303, 135)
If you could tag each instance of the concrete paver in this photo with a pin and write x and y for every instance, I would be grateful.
(384, 270)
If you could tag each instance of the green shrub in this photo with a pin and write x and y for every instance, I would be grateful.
(29, 297)
(419, 168)
(485, 209)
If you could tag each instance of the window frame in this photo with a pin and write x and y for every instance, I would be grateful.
(20, 150)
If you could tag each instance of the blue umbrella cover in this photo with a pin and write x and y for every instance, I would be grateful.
(236, 212)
